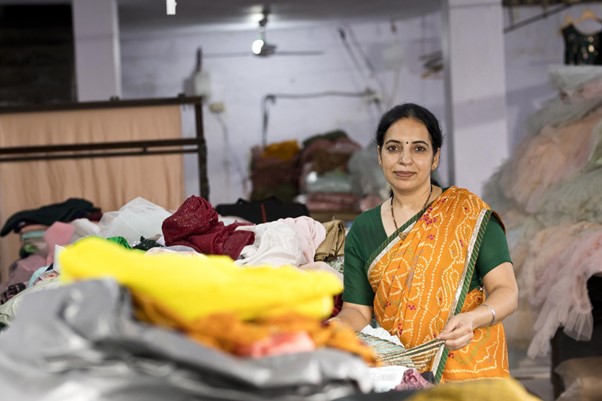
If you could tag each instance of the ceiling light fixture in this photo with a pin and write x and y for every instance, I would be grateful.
(171, 7)
(260, 47)
(257, 46)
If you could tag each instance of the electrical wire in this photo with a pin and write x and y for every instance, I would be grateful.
(349, 50)
(388, 99)
(366, 59)
(244, 178)
(356, 63)
(271, 98)
(543, 15)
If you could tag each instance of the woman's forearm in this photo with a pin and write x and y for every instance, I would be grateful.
(500, 304)
(502, 299)
(352, 318)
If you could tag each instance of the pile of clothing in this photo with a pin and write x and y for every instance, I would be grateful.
(188, 305)
(548, 196)
(325, 179)
(40, 230)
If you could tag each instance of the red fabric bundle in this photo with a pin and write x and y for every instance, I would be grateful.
(195, 224)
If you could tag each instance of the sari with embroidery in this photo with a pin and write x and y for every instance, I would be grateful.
(421, 276)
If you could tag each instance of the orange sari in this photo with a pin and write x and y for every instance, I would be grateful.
(421, 276)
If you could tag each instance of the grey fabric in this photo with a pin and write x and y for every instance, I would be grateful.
(79, 342)
(10, 307)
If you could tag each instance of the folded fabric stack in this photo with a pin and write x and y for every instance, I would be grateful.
(325, 180)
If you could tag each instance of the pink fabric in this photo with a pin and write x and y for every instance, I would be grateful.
(195, 224)
(276, 243)
(278, 344)
(556, 154)
(562, 295)
(58, 233)
(590, 90)
(412, 380)
(25, 268)
(541, 262)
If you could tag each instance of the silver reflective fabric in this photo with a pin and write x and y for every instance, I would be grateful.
(79, 342)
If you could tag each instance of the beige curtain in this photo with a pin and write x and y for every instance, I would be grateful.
(109, 182)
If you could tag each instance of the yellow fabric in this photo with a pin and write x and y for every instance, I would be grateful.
(285, 150)
(476, 390)
(196, 287)
(416, 282)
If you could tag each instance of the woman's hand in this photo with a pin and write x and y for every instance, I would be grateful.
(458, 332)
(354, 315)
(501, 286)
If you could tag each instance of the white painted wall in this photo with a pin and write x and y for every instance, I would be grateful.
(475, 90)
(97, 55)
(530, 51)
(160, 64)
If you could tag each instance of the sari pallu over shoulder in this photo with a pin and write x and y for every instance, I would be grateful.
(421, 275)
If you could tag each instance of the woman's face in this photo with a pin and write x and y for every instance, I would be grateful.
(406, 156)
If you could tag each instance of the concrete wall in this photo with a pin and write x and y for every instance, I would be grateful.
(160, 64)
(530, 51)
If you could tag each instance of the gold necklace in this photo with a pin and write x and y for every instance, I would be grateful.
(393, 209)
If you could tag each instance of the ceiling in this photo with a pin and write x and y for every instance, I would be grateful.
(141, 15)
(244, 14)
(545, 3)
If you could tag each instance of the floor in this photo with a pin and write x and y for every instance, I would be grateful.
(534, 374)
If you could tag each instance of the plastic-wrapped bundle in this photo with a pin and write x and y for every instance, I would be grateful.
(139, 217)
(366, 174)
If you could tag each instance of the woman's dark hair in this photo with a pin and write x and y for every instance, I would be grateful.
(416, 112)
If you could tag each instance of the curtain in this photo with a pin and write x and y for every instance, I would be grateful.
(108, 183)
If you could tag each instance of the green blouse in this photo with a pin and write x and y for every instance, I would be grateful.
(367, 234)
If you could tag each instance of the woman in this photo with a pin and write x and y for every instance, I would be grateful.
(418, 263)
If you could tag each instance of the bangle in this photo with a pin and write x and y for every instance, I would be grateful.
(492, 313)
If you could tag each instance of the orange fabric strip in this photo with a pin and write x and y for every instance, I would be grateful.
(422, 280)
